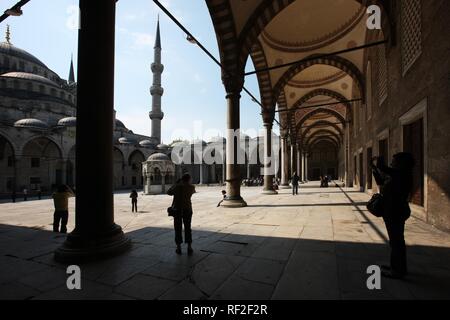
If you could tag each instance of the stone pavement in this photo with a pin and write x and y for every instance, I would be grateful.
(316, 245)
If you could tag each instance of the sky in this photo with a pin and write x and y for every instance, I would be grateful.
(193, 103)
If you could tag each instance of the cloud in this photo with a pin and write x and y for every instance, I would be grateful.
(142, 39)
(197, 78)
(130, 17)
(72, 20)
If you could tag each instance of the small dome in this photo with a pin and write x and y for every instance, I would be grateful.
(119, 124)
(218, 139)
(146, 143)
(158, 157)
(198, 142)
(68, 122)
(180, 144)
(162, 146)
(31, 124)
(125, 140)
(29, 76)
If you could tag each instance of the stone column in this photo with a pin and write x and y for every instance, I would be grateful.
(268, 158)
(148, 183)
(224, 173)
(201, 172)
(348, 175)
(303, 165)
(299, 161)
(293, 156)
(284, 163)
(95, 235)
(233, 87)
(213, 178)
(306, 166)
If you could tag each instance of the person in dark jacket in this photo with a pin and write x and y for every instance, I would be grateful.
(134, 197)
(395, 185)
(294, 181)
(182, 192)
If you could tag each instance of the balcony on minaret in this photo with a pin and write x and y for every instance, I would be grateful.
(155, 89)
(156, 115)
(157, 67)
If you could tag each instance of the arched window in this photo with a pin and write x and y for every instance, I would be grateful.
(411, 32)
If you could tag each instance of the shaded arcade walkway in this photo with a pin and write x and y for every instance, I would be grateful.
(314, 245)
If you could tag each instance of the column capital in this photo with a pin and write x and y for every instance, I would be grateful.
(233, 84)
(268, 117)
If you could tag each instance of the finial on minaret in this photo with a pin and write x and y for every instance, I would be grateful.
(158, 36)
(71, 72)
(8, 34)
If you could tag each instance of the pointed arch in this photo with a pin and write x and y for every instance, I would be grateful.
(321, 110)
(319, 123)
(334, 61)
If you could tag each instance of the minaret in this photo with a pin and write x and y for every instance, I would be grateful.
(8, 35)
(71, 72)
(156, 115)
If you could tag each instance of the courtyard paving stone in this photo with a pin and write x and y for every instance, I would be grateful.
(316, 245)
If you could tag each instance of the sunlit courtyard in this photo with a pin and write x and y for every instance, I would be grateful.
(317, 245)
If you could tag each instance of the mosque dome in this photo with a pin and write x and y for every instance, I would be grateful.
(8, 49)
(125, 140)
(29, 76)
(158, 157)
(68, 122)
(146, 143)
(31, 124)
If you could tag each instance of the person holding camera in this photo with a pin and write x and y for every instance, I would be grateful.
(395, 184)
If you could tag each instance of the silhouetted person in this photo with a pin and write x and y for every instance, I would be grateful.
(395, 185)
(182, 192)
(323, 181)
(25, 194)
(224, 195)
(294, 180)
(133, 196)
(39, 194)
(13, 196)
(61, 202)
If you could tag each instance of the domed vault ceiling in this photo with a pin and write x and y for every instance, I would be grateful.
(285, 31)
